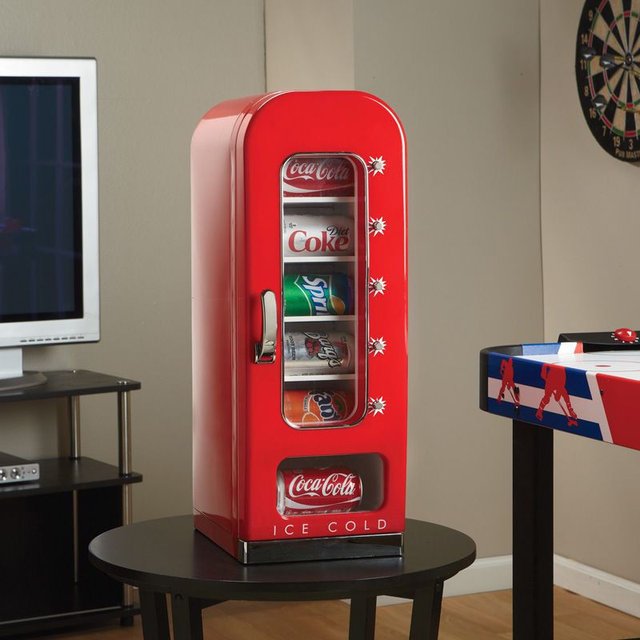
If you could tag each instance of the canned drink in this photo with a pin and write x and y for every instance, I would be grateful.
(318, 176)
(318, 352)
(317, 407)
(317, 294)
(318, 491)
(317, 235)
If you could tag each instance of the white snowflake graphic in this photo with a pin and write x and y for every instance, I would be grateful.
(377, 405)
(377, 286)
(377, 165)
(377, 226)
(377, 346)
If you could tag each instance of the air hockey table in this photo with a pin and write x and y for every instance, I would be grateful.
(586, 384)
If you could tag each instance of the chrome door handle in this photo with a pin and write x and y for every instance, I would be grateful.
(265, 350)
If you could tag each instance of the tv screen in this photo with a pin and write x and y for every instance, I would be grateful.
(40, 199)
(49, 289)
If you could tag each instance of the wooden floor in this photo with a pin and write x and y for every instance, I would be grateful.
(483, 616)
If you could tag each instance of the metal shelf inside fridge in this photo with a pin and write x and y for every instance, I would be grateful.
(294, 260)
(328, 318)
(312, 377)
(317, 200)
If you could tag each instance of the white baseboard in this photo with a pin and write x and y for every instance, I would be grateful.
(485, 574)
(597, 585)
(494, 574)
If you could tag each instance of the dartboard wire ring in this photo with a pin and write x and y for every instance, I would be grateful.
(610, 28)
(611, 87)
(620, 104)
(627, 107)
(605, 73)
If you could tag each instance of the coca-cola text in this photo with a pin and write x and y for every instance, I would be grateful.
(330, 169)
(323, 176)
(324, 490)
(336, 484)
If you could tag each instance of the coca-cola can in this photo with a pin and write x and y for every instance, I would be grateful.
(317, 491)
(318, 176)
(317, 235)
(318, 352)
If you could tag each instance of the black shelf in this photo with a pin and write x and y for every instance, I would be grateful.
(62, 474)
(49, 523)
(75, 382)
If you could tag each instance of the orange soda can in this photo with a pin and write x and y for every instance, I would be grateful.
(316, 407)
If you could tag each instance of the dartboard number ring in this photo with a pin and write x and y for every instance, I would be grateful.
(608, 74)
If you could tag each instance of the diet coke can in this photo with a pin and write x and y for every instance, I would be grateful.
(317, 491)
(317, 235)
(318, 176)
(318, 352)
(317, 407)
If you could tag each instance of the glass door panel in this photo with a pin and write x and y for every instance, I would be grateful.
(324, 267)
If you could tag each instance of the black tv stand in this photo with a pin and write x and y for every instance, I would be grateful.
(27, 379)
(48, 580)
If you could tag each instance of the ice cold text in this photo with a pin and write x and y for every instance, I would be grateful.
(315, 529)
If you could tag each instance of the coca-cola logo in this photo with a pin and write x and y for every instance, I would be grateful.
(333, 485)
(322, 170)
(319, 346)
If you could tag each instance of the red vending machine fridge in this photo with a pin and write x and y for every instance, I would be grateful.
(300, 326)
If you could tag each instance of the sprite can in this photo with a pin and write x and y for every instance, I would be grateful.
(317, 294)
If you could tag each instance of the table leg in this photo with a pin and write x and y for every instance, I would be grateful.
(362, 618)
(155, 622)
(186, 615)
(532, 532)
(425, 612)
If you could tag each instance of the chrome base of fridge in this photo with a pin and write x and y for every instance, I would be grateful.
(308, 549)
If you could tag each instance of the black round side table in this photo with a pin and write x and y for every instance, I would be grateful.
(168, 556)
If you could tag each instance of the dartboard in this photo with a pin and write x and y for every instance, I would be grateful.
(608, 74)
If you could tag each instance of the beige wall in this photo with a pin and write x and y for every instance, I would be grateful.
(464, 79)
(590, 227)
(161, 65)
(309, 44)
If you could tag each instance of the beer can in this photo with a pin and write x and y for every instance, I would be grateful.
(317, 407)
(317, 294)
(318, 491)
(318, 176)
(317, 234)
(318, 352)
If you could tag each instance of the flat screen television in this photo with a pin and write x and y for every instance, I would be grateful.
(49, 280)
